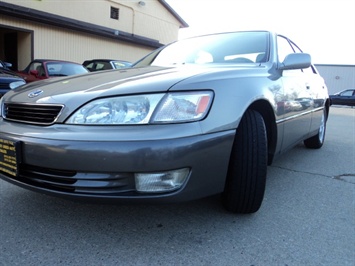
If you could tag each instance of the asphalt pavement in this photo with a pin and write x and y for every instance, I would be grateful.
(307, 218)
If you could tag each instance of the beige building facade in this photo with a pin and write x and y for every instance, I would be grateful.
(78, 30)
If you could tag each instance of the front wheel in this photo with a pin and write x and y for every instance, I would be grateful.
(317, 141)
(245, 184)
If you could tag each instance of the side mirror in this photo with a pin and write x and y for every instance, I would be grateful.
(296, 61)
(15, 84)
(8, 65)
(34, 73)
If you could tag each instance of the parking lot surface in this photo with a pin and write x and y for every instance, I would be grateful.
(307, 218)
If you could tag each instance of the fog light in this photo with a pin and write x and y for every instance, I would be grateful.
(161, 181)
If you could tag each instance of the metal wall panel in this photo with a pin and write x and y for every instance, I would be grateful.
(337, 77)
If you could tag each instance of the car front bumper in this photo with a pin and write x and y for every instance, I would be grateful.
(104, 170)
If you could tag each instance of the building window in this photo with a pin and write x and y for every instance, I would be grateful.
(115, 13)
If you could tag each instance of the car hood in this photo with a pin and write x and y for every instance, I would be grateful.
(7, 78)
(75, 91)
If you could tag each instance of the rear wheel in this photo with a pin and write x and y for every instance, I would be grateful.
(317, 141)
(245, 184)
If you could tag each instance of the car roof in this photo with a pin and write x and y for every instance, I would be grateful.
(52, 60)
(348, 89)
(106, 60)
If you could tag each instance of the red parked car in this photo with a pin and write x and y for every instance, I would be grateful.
(43, 68)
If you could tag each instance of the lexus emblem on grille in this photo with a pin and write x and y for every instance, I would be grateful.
(35, 93)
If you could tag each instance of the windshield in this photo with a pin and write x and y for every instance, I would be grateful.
(236, 47)
(64, 69)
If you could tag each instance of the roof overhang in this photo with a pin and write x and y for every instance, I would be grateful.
(176, 15)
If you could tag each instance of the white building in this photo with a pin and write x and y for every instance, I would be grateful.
(337, 77)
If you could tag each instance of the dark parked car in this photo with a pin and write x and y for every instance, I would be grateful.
(345, 97)
(105, 64)
(44, 68)
(195, 118)
(8, 81)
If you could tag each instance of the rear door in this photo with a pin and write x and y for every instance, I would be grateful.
(319, 94)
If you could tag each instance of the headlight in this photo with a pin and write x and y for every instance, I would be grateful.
(144, 109)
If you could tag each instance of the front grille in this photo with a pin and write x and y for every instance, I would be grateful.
(32, 113)
(76, 182)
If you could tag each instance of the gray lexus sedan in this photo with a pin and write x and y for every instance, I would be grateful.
(198, 117)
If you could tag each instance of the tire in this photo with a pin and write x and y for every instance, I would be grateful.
(317, 141)
(245, 183)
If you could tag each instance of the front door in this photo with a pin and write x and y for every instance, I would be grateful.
(297, 101)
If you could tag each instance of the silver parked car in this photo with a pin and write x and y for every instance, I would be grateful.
(198, 117)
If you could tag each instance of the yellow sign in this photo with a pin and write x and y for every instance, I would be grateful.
(8, 161)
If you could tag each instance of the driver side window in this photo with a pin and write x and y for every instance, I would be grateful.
(346, 93)
(283, 48)
(35, 65)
